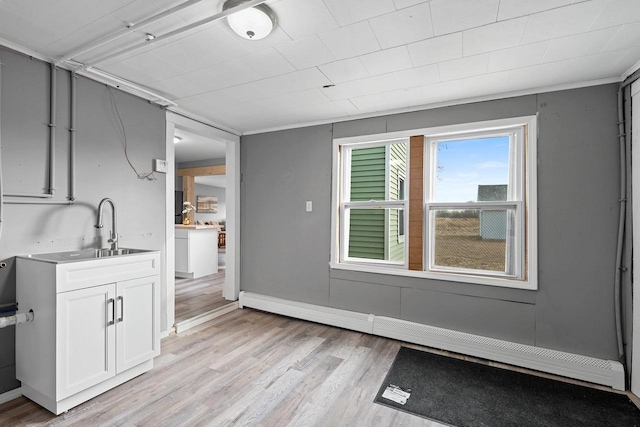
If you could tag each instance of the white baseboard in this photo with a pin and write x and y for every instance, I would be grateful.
(605, 372)
(170, 331)
(205, 317)
(10, 395)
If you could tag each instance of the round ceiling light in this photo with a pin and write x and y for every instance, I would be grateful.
(253, 23)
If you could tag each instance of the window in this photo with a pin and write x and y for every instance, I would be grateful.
(372, 208)
(473, 212)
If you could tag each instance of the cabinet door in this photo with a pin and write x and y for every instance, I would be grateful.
(137, 321)
(85, 347)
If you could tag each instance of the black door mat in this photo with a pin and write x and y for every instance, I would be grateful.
(467, 394)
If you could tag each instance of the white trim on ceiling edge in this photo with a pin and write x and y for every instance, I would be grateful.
(605, 372)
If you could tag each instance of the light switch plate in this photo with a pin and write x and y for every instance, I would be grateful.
(309, 206)
(160, 166)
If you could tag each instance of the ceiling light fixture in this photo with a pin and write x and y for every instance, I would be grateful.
(176, 139)
(254, 23)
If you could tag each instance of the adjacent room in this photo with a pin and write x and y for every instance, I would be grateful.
(319, 212)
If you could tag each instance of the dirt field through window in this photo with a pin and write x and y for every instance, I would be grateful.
(458, 244)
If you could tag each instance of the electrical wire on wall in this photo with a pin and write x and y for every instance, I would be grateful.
(122, 133)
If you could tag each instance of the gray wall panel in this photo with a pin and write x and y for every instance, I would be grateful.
(578, 180)
(368, 298)
(577, 174)
(285, 250)
(491, 318)
(101, 171)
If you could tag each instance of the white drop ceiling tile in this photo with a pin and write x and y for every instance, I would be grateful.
(618, 12)
(293, 82)
(563, 21)
(234, 72)
(344, 70)
(451, 16)
(404, 26)
(25, 32)
(146, 68)
(437, 49)
(578, 45)
(136, 11)
(403, 98)
(60, 17)
(268, 63)
(485, 84)
(439, 92)
(515, 8)
(464, 67)
(351, 41)
(177, 87)
(496, 36)
(517, 57)
(401, 4)
(370, 103)
(627, 36)
(303, 18)
(306, 53)
(367, 86)
(289, 100)
(419, 76)
(347, 12)
(201, 50)
(387, 61)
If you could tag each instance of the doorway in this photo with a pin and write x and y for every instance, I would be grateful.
(204, 167)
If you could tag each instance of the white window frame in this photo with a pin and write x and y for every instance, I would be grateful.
(345, 206)
(516, 230)
(528, 281)
(402, 177)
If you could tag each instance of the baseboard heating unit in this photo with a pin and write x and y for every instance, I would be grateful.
(605, 372)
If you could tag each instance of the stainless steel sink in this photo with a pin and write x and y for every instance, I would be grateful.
(85, 254)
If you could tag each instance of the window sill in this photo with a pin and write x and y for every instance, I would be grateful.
(530, 284)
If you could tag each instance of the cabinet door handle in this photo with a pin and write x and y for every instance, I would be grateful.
(121, 299)
(113, 311)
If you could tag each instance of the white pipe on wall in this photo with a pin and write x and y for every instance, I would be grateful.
(72, 139)
(16, 319)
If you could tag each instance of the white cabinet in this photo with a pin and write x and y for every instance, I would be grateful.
(196, 251)
(96, 325)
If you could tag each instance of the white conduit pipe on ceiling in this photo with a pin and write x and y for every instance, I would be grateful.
(189, 27)
(129, 29)
(16, 319)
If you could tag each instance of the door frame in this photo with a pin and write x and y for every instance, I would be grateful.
(231, 288)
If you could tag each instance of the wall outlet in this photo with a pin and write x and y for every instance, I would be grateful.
(309, 206)
(160, 166)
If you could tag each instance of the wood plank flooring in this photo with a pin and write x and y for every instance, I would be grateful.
(246, 368)
(198, 296)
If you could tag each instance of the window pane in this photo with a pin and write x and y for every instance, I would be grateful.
(373, 234)
(369, 178)
(469, 170)
(473, 239)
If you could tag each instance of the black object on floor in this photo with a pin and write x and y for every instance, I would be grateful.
(467, 394)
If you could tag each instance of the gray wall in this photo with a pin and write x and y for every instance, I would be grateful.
(221, 194)
(286, 251)
(102, 171)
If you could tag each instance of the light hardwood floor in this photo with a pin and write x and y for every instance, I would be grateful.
(246, 368)
(198, 296)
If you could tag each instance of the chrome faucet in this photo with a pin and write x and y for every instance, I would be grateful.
(114, 225)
